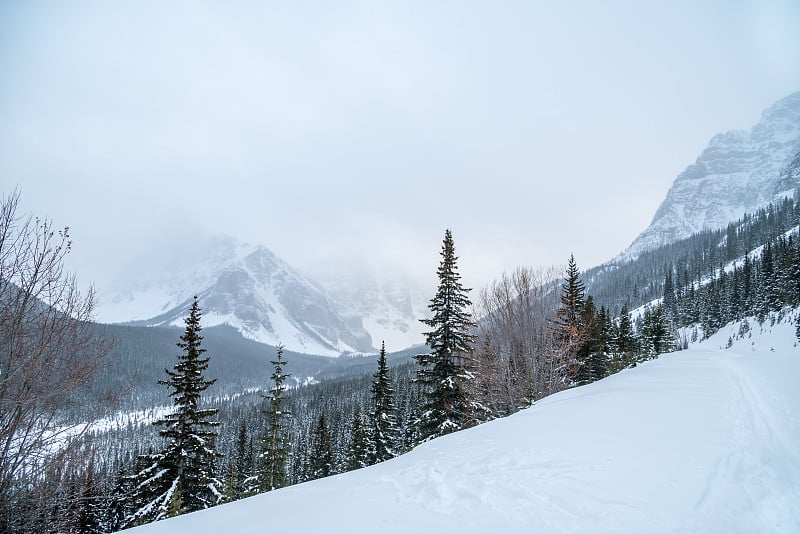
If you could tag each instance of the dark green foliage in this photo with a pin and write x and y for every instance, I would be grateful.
(275, 446)
(573, 290)
(240, 480)
(587, 347)
(383, 417)
(179, 478)
(655, 333)
(320, 458)
(639, 281)
(573, 326)
(89, 516)
(360, 447)
(444, 375)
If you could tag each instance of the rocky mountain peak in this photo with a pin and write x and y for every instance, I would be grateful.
(739, 172)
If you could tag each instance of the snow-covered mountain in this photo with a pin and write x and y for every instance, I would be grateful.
(245, 286)
(702, 440)
(739, 172)
(388, 304)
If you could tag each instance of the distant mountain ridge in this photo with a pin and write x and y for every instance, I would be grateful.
(388, 304)
(739, 172)
(246, 287)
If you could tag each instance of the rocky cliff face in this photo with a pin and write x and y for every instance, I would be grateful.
(739, 172)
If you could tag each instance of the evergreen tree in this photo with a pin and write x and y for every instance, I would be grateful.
(89, 512)
(178, 479)
(602, 334)
(243, 463)
(320, 459)
(569, 329)
(360, 447)
(119, 506)
(383, 418)
(626, 340)
(588, 344)
(573, 291)
(444, 373)
(276, 448)
(656, 334)
(670, 306)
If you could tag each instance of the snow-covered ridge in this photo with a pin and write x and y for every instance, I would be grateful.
(739, 172)
(703, 440)
(244, 286)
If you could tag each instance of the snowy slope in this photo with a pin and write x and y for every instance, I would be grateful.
(739, 172)
(704, 440)
(244, 286)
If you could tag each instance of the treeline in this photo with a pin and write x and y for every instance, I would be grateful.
(638, 281)
(764, 281)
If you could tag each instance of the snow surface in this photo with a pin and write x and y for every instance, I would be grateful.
(703, 440)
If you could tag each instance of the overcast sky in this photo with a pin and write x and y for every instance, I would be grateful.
(330, 129)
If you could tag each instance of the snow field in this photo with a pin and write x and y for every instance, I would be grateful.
(704, 440)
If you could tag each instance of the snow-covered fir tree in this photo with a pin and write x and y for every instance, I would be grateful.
(320, 457)
(655, 332)
(360, 447)
(383, 417)
(275, 446)
(179, 478)
(625, 339)
(240, 481)
(444, 374)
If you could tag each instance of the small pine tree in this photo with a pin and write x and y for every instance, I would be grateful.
(89, 512)
(275, 446)
(320, 459)
(655, 332)
(444, 374)
(625, 341)
(119, 506)
(360, 448)
(179, 479)
(587, 347)
(383, 418)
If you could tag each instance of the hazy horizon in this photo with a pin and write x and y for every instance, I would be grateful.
(363, 130)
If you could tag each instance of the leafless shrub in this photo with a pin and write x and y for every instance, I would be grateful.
(49, 352)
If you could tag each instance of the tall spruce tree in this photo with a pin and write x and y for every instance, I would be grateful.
(444, 373)
(383, 417)
(179, 478)
(275, 446)
(569, 327)
(573, 291)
